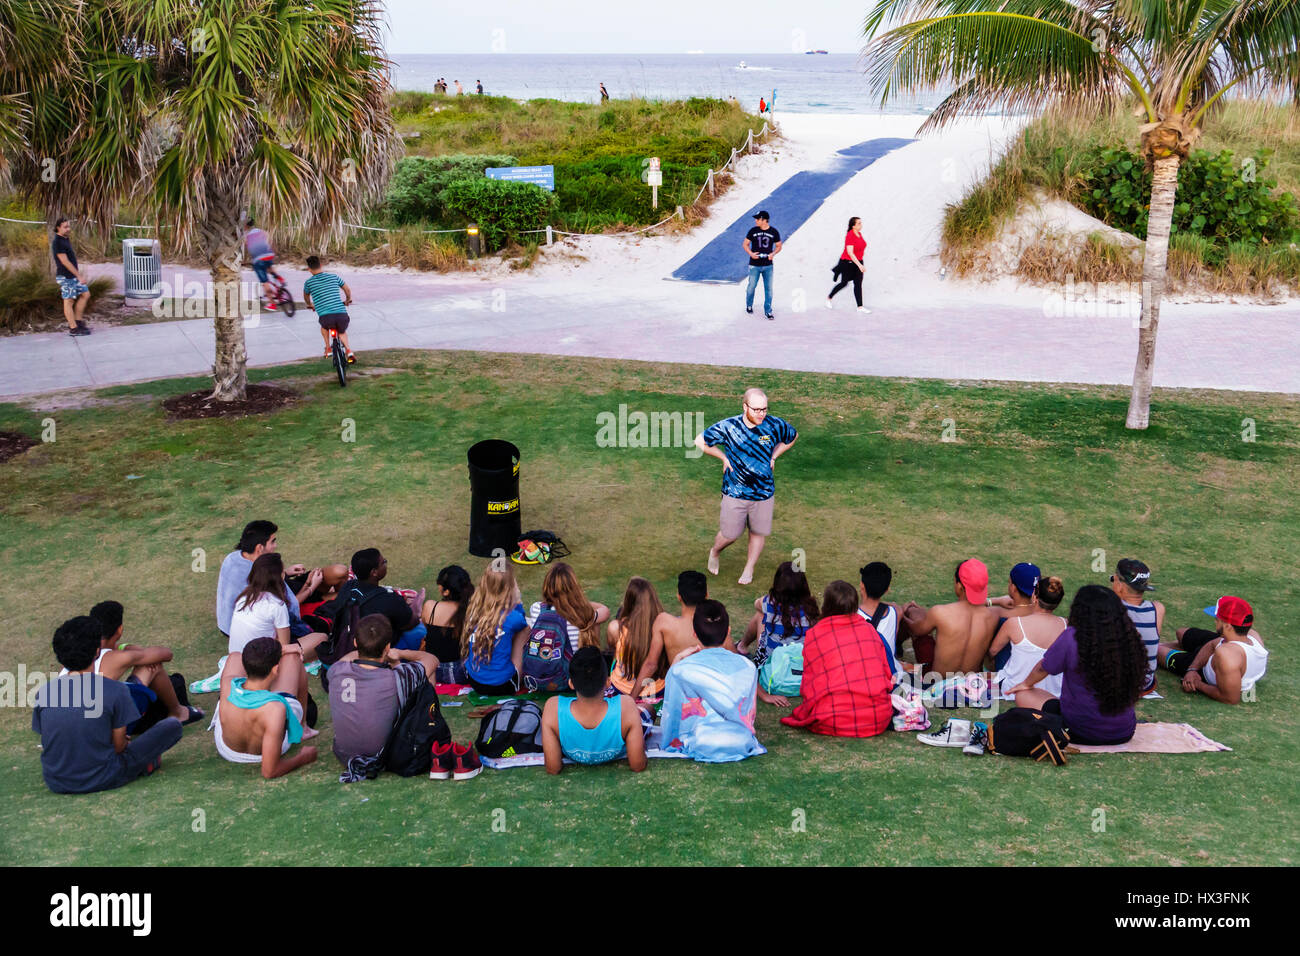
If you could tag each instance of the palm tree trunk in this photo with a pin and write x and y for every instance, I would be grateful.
(1164, 184)
(222, 250)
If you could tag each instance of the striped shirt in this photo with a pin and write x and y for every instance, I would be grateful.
(1144, 619)
(323, 288)
(750, 452)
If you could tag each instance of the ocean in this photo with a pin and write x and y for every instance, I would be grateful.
(803, 83)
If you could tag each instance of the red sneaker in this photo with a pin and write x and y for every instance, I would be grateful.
(467, 763)
(443, 761)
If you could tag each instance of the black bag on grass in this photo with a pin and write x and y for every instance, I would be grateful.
(513, 729)
(1025, 732)
(408, 751)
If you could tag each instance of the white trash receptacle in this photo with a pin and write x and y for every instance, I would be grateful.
(141, 268)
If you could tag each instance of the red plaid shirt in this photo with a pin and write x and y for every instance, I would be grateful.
(846, 680)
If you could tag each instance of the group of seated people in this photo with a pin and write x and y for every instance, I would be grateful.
(1090, 667)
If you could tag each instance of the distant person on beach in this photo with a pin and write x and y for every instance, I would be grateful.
(850, 268)
(478, 87)
(750, 444)
(321, 293)
(762, 106)
(460, 90)
(604, 93)
(72, 286)
(762, 242)
(440, 86)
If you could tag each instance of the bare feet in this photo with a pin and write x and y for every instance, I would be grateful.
(309, 732)
(713, 561)
(747, 577)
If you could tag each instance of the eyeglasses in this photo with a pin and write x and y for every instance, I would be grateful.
(753, 409)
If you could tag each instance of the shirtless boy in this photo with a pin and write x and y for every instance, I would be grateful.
(263, 693)
(678, 631)
(962, 630)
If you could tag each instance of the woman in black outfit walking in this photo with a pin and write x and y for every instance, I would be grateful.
(850, 268)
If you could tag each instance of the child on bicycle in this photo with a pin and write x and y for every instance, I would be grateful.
(258, 244)
(321, 293)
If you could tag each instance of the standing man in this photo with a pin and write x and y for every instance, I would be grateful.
(321, 292)
(73, 288)
(479, 87)
(751, 442)
(604, 93)
(761, 243)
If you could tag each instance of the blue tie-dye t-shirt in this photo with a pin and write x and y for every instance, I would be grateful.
(750, 452)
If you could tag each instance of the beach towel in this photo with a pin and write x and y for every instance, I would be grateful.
(1158, 738)
(709, 707)
(909, 712)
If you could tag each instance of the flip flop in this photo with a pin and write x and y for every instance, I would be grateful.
(195, 714)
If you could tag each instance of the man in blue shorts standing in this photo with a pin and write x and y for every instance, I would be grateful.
(748, 445)
(321, 292)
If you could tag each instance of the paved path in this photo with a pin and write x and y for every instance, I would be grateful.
(791, 205)
(1209, 346)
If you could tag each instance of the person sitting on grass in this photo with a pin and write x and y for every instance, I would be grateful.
(260, 715)
(370, 567)
(637, 636)
(368, 689)
(495, 633)
(1029, 631)
(953, 638)
(141, 669)
(1222, 664)
(782, 615)
(321, 293)
(261, 610)
(1103, 668)
(258, 538)
(332, 577)
(846, 680)
(82, 718)
(880, 614)
(592, 728)
(1131, 581)
(444, 618)
(678, 631)
(710, 696)
(562, 593)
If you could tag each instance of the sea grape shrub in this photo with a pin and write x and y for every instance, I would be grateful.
(1219, 199)
(415, 191)
(503, 209)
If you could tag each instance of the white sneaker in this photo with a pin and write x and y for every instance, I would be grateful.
(864, 310)
(954, 733)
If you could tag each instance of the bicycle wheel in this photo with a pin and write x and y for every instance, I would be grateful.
(340, 362)
(287, 305)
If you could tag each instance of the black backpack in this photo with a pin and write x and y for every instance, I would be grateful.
(1025, 732)
(408, 751)
(514, 728)
(342, 639)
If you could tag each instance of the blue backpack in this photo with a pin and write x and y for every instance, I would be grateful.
(782, 672)
(547, 653)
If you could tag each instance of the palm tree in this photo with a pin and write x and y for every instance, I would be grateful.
(198, 111)
(1176, 57)
(35, 52)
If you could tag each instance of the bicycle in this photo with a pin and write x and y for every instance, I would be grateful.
(281, 295)
(339, 356)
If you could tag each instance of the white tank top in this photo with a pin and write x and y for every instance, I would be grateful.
(1256, 658)
(99, 662)
(1025, 656)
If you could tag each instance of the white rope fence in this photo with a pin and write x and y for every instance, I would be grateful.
(709, 184)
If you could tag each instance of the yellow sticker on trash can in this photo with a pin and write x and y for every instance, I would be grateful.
(503, 507)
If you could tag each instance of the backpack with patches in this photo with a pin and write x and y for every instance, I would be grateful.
(409, 749)
(513, 729)
(548, 652)
(1025, 732)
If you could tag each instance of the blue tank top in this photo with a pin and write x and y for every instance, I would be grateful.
(602, 743)
(1144, 619)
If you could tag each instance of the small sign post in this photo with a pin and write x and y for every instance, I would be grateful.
(655, 177)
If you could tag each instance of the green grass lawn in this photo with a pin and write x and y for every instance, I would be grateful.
(1036, 473)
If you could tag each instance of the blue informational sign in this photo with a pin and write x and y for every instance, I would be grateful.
(543, 176)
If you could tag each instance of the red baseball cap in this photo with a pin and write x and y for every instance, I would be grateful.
(974, 578)
(1232, 610)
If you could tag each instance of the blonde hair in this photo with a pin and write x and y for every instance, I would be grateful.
(562, 591)
(497, 593)
(636, 618)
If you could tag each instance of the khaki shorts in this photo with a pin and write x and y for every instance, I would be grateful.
(737, 511)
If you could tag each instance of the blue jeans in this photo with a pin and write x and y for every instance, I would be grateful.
(754, 273)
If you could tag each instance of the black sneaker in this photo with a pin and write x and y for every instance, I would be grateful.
(79, 330)
(749, 310)
(770, 316)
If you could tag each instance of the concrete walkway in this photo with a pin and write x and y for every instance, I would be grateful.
(1200, 346)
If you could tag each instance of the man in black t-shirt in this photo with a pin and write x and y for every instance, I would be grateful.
(761, 243)
(370, 567)
(75, 292)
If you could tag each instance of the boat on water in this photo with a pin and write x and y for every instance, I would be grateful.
(812, 52)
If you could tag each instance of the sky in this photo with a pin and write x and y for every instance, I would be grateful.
(620, 26)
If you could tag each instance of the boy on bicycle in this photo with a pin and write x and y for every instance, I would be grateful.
(258, 244)
(321, 292)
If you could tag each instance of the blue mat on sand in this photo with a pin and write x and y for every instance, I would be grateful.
(793, 202)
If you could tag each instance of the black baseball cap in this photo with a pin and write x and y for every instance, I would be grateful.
(762, 214)
(1135, 574)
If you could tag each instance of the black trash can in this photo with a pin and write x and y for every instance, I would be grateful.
(494, 520)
